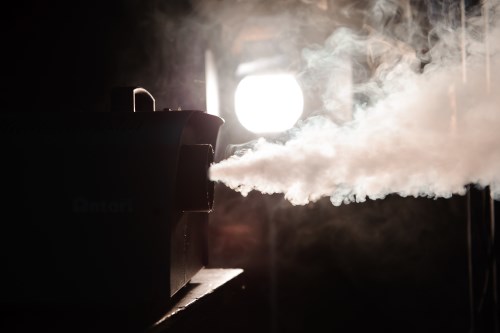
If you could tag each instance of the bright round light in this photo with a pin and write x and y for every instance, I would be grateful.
(268, 103)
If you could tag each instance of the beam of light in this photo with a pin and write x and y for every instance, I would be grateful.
(463, 39)
(268, 103)
(486, 14)
(211, 84)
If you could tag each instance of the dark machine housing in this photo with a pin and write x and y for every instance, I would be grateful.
(104, 209)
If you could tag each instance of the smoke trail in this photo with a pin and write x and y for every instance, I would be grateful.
(421, 131)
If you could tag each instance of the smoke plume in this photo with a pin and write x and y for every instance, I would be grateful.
(425, 117)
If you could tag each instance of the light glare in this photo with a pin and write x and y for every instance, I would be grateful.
(268, 103)
(211, 85)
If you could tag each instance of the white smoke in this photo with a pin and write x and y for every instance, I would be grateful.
(427, 131)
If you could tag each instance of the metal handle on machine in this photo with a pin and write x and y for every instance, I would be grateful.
(131, 99)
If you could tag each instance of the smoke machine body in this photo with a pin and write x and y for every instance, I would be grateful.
(105, 208)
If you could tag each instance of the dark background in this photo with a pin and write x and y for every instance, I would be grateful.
(398, 264)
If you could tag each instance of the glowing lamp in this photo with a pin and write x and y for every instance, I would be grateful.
(268, 103)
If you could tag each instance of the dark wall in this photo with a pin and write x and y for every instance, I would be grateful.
(67, 56)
